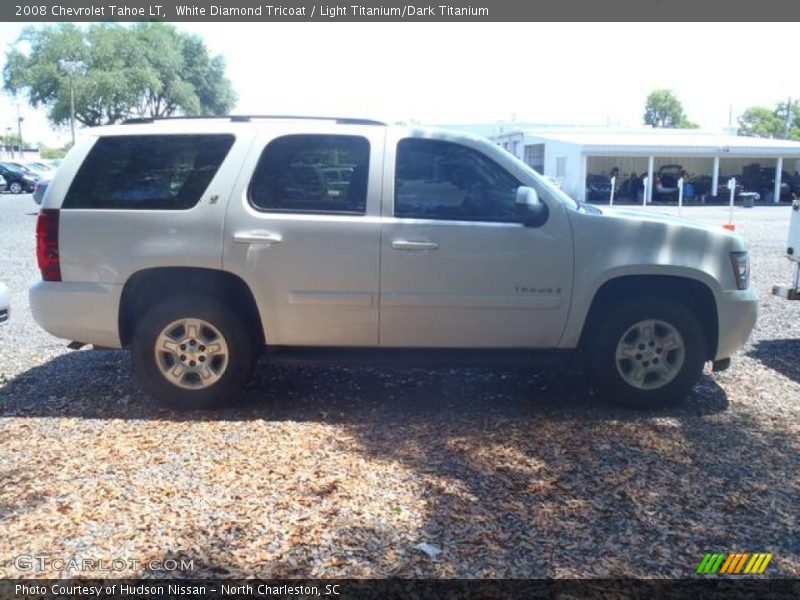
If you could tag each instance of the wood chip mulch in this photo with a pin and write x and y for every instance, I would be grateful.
(328, 472)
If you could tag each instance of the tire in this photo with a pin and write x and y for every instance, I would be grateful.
(15, 187)
(616, 358)
(210, 355)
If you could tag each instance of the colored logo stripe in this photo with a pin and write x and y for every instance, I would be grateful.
(710, 563)
(761, 564)
(744, 563)
(740, 563)
(727, 564)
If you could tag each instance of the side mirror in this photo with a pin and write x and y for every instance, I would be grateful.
(528, 209)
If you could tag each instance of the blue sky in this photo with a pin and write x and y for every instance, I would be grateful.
(488, 72)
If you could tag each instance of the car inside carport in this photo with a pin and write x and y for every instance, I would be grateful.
(754, 179)
(628, 172)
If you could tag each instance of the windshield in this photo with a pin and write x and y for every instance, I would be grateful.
(13, 168)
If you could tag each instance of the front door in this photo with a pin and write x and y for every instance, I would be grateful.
(457, 269)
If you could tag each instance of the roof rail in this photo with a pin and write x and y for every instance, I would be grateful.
(248, 118)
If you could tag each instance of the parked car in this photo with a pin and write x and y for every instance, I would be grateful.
(794, 184)
(443, 246)
(666, 182)
(5, 304)
(791, 291)
(630, 186)
(598, 188)
(702, 186)
(41, 188)
(3, 184)
(26, 168)
(17, 180)
(41, 167)
(760, 179)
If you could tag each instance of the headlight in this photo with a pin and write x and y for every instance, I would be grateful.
(741, 269)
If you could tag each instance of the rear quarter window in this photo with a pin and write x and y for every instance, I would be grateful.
(156, 172)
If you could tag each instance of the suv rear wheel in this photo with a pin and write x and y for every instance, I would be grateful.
(192, 353)
(647, 352)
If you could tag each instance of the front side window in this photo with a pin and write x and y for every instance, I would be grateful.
(312, 173)
(162, 172)
(442, 180)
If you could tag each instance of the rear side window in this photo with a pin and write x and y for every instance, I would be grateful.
(161, 172)
(312, 173)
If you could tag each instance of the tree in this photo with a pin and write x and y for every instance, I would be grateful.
(760, 121)
(147, 70)
(178, 74)
(663, 109)
(9, 140)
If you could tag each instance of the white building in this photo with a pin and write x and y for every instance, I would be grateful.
(570, 154)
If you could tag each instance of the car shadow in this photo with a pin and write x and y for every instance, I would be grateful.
(98, 384)
(782, 356)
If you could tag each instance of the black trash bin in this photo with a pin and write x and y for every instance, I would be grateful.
(748, 199)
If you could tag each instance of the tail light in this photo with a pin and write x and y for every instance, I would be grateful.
(47, 244)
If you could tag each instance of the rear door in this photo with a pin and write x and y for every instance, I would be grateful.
(302, 229)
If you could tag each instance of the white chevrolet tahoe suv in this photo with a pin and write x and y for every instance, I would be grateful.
(199, 242)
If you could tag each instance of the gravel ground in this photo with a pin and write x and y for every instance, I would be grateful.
(341, 472)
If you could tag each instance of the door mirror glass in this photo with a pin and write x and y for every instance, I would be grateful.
(529, 209)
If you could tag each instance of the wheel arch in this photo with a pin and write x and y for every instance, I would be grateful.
(693, 293)
(146, 288)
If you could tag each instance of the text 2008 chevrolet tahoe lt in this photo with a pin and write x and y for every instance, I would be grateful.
(199, 242)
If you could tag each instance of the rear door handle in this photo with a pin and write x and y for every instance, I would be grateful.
(256, 237)
(414, 245)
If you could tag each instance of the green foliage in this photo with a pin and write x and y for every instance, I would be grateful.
(663, 109)
(760, 121)
(53, 153)
(146, 70)
(9, 140)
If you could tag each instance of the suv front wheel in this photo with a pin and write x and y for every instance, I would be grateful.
(647, 352)
(192, 352)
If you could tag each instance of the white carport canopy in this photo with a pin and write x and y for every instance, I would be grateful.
(650, 144)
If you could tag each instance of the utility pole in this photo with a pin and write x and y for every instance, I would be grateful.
(19, 129)
(789, 116)
(71, 67)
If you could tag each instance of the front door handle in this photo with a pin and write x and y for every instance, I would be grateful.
(414, 245)
(256, 237)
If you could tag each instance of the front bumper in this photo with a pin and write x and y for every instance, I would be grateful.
(737, 311)
(84, 312)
